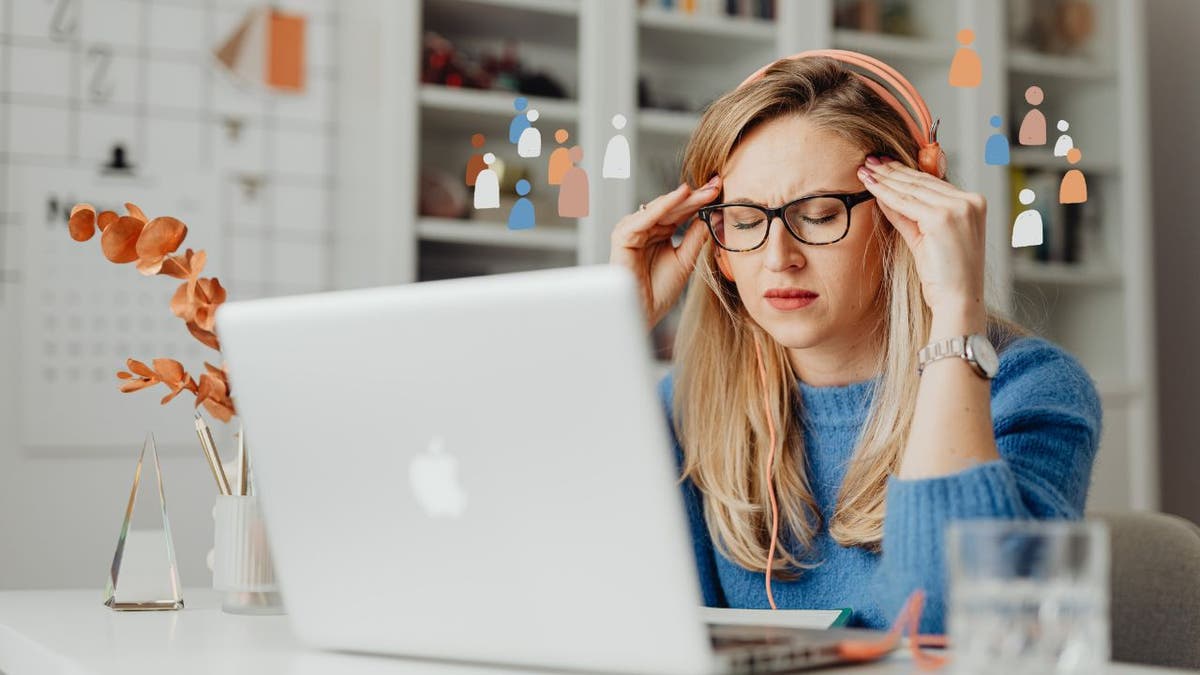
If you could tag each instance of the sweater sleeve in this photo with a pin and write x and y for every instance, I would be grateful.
(702, 545)
(1046, 418)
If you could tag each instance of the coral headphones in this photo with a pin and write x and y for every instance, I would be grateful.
(931, 159)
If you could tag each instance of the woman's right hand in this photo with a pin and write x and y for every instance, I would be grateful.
(641, 242)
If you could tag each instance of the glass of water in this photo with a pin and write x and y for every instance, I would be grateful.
(1028, 596)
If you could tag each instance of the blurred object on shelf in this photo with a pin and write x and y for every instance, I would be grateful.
(510, 173)
(648, 98)
(893, 17)
(445, 64)
(1062, 27)
(442, 195)
(442, 63)
(1076, 23)
(745, 9)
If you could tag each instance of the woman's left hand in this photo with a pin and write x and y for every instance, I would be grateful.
(943, 226)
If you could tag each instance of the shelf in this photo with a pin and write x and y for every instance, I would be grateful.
(543, 22)
(1066, 274)
(560, 7)
(466, 105)
(1043, 158)
(667, 122)
(1025, 61)
(496, 234)
(899, 47)
(705, 41)
(708, 25)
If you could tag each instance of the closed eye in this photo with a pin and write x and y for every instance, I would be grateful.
(821, 220)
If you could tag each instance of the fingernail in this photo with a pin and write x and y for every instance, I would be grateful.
(681, 186)
(865, 176)
(712, 182)
(873, 160)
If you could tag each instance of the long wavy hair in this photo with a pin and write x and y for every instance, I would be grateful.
(718, 404)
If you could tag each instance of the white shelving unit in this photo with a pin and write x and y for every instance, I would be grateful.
(1100, 309)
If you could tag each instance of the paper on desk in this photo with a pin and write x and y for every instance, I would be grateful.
(787, 618)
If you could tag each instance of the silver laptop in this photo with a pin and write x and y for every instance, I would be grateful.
(479, 470)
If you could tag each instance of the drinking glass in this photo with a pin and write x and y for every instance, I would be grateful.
(1028, 596)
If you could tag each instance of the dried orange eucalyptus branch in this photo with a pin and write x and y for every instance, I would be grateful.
(151, 243)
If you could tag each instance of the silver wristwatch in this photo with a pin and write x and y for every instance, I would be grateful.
(976, 350)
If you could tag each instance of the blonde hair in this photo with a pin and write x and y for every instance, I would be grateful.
(718, 402)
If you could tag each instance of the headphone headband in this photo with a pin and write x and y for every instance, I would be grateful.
(916, 115)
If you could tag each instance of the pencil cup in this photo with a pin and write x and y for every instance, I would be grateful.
(242, 566)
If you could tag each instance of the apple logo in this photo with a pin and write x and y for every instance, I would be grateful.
(434, 478)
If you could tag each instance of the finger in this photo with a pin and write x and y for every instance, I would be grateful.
(693, 241)
(692, 204)
(664, 213)
(656, 208)
(643, 219)
(907, 227)
(918, 189)
(900, 201)
(897, 171)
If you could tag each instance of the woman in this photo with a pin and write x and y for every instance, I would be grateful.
(816, 313)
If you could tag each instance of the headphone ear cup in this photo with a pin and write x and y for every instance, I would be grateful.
(932, 160)
(723, 264)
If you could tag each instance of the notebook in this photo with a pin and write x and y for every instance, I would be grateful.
(786, 618)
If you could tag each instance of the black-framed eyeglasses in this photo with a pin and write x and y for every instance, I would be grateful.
(816, 220)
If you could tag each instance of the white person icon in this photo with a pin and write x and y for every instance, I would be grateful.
(487, 185)
(530, 142)
(616, 154)
(1027, 229)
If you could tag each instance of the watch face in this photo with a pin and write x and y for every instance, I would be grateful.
(985, 355)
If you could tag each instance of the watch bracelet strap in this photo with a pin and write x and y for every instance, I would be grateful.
(944, 348)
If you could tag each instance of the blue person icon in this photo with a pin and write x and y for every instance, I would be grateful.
(520, 122)
(995, 153)
(521, 217)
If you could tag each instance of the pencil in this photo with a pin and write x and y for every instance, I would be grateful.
(210, 453)
(243, 464)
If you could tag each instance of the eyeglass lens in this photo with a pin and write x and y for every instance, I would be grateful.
(817, 220)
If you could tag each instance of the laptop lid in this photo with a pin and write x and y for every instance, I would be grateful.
(473, 469)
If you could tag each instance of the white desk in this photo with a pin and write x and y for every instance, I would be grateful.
(73, 633)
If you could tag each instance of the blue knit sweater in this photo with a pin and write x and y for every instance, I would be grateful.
(1046, 417)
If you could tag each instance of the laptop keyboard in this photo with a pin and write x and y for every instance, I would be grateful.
(756, 649)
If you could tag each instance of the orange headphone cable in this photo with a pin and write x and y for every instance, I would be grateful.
(910, 614)
(762, 375)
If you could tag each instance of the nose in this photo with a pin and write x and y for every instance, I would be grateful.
(781, 250)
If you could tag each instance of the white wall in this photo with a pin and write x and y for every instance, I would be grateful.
(1174, 68)
(61, 504)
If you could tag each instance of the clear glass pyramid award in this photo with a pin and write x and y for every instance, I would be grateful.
(144, 575)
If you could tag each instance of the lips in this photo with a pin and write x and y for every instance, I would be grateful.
(790, 298)
(789, 293)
